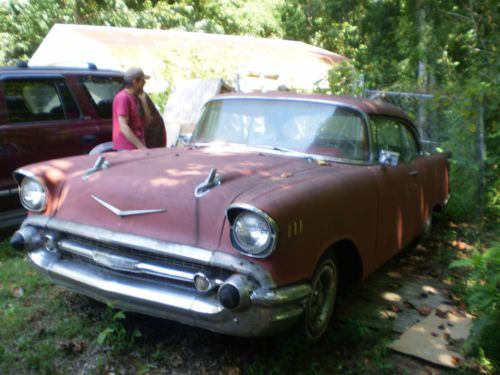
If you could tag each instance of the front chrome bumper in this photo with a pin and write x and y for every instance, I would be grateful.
(269, 309)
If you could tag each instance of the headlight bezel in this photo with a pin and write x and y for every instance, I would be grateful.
(23, 179)
(235, 212)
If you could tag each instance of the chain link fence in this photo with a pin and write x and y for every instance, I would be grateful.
(452, 123)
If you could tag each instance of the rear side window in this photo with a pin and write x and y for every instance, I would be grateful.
(102, 90)
(39, 100)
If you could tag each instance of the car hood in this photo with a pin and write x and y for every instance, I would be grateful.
(166, 180)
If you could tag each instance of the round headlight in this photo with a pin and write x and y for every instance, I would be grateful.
(253, 234)
(32, 194)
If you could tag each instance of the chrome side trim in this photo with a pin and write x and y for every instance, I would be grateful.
(190, 253)
(281, 296)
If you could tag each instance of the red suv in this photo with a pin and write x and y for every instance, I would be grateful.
(47, 113)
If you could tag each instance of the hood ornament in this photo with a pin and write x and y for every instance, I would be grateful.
(121, 213)
(210, 182)
(100, 164)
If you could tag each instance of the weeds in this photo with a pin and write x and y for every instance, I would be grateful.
(482, 288)
(116, 333)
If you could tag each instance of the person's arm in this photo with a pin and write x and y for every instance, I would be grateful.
(145, 105)
(128, 133)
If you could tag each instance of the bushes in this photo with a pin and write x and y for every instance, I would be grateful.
(483, 299)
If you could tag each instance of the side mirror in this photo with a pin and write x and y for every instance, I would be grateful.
(183, 139)
(388, 158)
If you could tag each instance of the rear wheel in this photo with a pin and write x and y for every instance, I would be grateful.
(321, 302)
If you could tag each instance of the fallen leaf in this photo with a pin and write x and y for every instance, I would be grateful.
(395, 285)
(394, 275)
(408, 304)
(78, 347)
(460, 245)
(434, 334)
(231, 371)
(17, 292)
(442, 314)
(455, 360)
(394, 308)
(420, 247)
(424, 310)
(176, 360)
(286, 175)
(323, 162)
(446, 336)
(458, 312)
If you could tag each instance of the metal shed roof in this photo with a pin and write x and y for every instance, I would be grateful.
(297, 64)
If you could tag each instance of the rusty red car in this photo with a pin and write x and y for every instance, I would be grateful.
(248, 229)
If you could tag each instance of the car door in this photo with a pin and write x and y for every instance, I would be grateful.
(100, 91)
(43, 122)
(398, 185)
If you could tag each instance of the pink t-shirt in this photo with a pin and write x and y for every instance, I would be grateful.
(125, 104)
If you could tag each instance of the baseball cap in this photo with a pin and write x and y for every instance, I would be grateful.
(134, 73)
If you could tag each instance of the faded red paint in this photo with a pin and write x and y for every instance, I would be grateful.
(379, 209)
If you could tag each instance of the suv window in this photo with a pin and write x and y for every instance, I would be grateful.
(102, 91)
(39, 100)
(393, 135)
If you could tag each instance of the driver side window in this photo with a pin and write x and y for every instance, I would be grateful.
(393, 135)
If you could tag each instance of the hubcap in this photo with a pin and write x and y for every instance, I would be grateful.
(320, 306)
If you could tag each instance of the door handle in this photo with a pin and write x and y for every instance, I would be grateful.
(414, 173)
(89, 138)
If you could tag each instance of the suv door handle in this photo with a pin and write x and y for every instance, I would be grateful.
(414, 173)
(89, 138)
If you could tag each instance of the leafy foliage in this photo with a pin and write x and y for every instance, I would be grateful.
(483, 298)
(116, 333)
(23, 24)
(445, 48)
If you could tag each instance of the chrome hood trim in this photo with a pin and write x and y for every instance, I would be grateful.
(212, 180)
(121, 213)
(100, 164)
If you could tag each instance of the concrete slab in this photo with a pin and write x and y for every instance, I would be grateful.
(431, 339)
(389, 298)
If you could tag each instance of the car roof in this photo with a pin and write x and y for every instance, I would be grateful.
(25, 70)
(370, 107)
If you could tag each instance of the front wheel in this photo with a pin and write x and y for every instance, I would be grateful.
(428, 225)
(321, 302)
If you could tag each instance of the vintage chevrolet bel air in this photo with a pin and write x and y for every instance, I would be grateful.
(251, 227)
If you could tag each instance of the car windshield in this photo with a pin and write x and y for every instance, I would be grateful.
(285, 125)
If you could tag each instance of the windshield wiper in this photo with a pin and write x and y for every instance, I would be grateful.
(288, 150)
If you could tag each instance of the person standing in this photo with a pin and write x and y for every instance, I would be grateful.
(131, 112)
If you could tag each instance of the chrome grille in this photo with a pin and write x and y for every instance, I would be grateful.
(142, 256)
